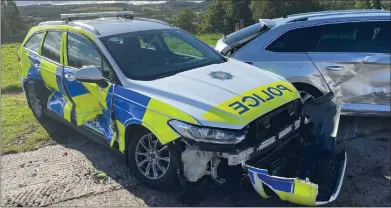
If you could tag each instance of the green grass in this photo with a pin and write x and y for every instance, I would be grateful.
(210, 39)
(96, 9)
(20, 131)
(9, 68)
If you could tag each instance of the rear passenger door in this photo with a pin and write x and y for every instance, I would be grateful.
(354, 58)
(51, 69)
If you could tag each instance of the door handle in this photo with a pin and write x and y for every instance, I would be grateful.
(334, 68)
(70, 77)
(37, 66)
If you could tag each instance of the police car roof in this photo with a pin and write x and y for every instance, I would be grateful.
(111, 26)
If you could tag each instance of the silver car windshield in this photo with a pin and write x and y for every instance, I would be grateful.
(154, 54)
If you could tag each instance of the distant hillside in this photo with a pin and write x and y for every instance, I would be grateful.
(53, 11)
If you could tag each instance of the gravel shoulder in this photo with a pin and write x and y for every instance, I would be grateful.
(78, 172)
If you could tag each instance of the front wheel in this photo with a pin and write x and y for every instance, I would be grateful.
(150, 161)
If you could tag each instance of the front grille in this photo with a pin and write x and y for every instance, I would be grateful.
(273, 122)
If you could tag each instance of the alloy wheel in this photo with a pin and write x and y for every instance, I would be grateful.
(152, 158)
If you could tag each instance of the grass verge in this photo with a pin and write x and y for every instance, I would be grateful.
(20, 131)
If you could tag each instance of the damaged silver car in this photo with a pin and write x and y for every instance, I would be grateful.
(345, 51)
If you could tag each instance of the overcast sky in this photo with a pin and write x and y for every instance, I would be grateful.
(24, 3)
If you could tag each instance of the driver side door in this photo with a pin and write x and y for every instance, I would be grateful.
(92, 101)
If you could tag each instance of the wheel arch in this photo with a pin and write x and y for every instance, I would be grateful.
(304, 86)
(130, 131)
(38, 81)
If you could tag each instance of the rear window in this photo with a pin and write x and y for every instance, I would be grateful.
(34, 42)
(368, 37)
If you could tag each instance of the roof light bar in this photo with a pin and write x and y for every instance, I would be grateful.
(97, 14)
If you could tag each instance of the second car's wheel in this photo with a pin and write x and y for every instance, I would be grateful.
(306, 96)
(151, 162)
(307, 92)
(36, 98)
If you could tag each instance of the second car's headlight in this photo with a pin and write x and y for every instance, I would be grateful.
(204, 134)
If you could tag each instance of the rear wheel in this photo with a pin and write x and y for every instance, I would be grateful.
(150, 161)
(37, 98)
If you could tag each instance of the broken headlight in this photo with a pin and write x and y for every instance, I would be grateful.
(204, 134)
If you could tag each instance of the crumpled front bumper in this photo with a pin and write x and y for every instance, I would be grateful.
(313, 176)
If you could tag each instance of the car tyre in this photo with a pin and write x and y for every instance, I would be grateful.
(151, 162)
(37, 98)
(308, 93)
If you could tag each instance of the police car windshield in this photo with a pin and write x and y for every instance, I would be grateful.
(154, 54)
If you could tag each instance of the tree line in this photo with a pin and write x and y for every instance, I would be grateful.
(222, 15)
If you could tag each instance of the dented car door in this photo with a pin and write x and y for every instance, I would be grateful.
(354, 59)
(92, 100)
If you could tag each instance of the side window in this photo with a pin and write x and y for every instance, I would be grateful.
(81, 52)
(292, 41)
(51, 46)
(34, 42)
(370, 37)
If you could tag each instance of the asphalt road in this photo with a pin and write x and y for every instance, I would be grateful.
(77, 172)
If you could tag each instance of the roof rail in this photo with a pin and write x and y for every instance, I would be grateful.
(51, 23)
(298, 20)
(86, 26)
(306, 16)
(338, 12)
(79, 24)
(153, 20)
(123, 14)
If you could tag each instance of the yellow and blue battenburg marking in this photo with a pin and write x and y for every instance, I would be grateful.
(32, 71)
(131, 107)
(86, 108)
(288, 189)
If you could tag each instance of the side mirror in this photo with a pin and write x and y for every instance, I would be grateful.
(90, 74)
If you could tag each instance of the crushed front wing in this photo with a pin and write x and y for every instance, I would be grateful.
(312, 175)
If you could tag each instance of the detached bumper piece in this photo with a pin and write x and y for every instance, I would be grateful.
(321, 184)
(311, 174)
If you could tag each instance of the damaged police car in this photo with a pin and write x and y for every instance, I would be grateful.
(178, 110)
